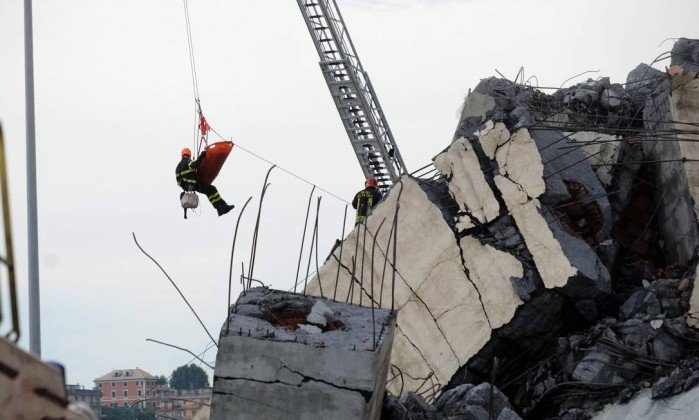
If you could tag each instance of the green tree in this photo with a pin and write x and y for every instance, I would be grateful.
(161, 380)
(187, 377)
(128, 413)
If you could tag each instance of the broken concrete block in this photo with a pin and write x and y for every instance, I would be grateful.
(674, 105)
(685, 53)
(476, 110)
(311, 329)
(603, 150)
(467, 184)
(693, 313)
(442, 320)
(336, 373)
(520, 162)
(321, 309)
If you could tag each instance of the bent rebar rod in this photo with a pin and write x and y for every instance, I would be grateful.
(350, 290)
(371, 297)
(317, 230)
(176, 288)
(183, 349)
(230, 267)
(361, 275)
(303, 238)
(339, 260)
(253, 256)
(310, 254)
(251, 265)
(395, 246)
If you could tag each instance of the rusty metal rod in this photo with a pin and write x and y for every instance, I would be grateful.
(371, 298)
(230, 266)
(183, 349)
(303, 238)
(9, 259)
(176, 288)
(317, 232)
(310, 254)
(253, 252)
(361, 275)
(342, 243)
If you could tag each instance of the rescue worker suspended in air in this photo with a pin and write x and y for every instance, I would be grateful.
(366, 199)
(187, 179)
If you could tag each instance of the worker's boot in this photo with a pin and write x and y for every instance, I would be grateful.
(223, 208)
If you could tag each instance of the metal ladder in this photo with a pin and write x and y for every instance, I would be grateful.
(352, 93)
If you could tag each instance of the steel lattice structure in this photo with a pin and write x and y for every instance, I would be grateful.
(352, 92)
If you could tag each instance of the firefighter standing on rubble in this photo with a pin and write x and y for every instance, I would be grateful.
(186, 175)
(366, 199)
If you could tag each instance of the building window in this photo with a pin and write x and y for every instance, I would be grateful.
(99, 385)
(140, 393)
(126, 393)
(126, 404)
(113, 384)
(113, 394)
(126, 384)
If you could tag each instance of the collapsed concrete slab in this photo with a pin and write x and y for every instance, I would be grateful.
(449, 302)
(508, 256)
(673, 111)
(642, 407)
(267, 366)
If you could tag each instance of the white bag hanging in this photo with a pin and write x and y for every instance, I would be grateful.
(190, 200)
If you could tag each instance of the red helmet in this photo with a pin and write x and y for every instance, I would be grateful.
(371, 182)
(186, 152)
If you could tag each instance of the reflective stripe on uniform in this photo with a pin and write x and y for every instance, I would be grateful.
(214, 198)
(370, 205)
(186, 172)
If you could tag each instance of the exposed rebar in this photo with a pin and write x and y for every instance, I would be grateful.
(371, 298)
(303, 238)
(176, 288)
(253, 251)
(230, 267)
(342, 243)
(183, 349)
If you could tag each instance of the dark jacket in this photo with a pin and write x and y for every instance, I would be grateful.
(186, 172)
(365, 200)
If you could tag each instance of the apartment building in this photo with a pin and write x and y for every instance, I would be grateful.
(124, 387)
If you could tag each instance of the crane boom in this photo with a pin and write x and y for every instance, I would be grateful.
(352, 92)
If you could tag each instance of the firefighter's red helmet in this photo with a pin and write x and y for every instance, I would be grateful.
(186, 152)
(371, 182)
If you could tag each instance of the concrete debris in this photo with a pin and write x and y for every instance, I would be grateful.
(311, 329)
(560, 240)
(685, 53)
(642, 406)
(319, 315)
(271, 365)
(463, 402)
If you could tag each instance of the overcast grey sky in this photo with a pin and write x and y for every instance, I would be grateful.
(114, 107)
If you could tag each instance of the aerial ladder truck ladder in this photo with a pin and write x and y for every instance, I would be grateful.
(351, 90)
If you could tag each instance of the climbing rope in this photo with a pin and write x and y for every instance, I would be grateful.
(202, 126)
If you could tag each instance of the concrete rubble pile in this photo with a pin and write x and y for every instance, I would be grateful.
(554, 257)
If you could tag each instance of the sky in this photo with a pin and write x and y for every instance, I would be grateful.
(114, 106)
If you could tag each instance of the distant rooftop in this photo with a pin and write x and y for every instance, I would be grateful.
(80, 390)
(125, 374)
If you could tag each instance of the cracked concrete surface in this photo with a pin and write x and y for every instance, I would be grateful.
(338, 372)
(449, 301)
(520, 162)
(693, 314)
(603, 150)
(468, 186)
